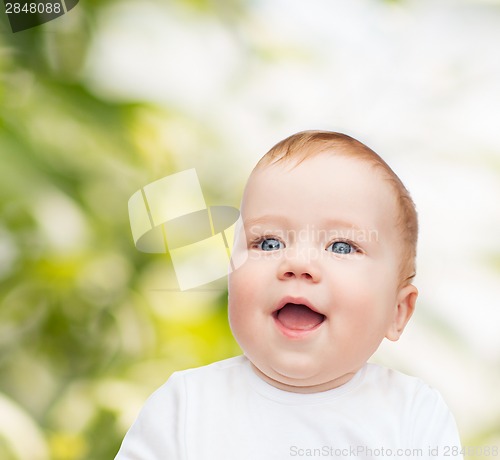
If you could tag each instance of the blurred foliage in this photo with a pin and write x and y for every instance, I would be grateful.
(78, 337)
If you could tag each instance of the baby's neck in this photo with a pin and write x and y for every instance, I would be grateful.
(325, 386)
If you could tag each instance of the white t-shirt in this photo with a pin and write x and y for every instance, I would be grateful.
(224, 411)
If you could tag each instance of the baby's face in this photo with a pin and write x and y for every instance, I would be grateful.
(317, 290)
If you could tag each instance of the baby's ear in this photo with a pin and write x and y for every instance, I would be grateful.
(403, 310)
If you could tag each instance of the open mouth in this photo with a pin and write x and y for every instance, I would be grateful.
(298, 317)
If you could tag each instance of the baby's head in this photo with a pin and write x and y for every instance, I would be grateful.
(324, 260)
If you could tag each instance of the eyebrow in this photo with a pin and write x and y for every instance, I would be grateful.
(267, 219)
(285, 221)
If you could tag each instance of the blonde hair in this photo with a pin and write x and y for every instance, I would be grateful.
(306, 144)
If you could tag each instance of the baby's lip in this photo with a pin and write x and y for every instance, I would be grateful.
(297, 301)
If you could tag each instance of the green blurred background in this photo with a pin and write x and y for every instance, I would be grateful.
(117, 94)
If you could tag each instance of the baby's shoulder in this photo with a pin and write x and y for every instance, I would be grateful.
(388, 376)
(398, 387)
(217, 368)
(218, 374)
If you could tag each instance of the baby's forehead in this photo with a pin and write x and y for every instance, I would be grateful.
(334, 162)
(321, 184)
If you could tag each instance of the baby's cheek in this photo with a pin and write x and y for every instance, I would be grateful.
(239, 294)
(243, 305)
(241, 327)
(242, 279)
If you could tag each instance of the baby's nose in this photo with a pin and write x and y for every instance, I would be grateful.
(300, 264)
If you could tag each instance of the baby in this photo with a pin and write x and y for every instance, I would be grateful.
(323, 264)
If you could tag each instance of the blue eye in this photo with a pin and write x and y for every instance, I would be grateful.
(341, 247)
(271, 244)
